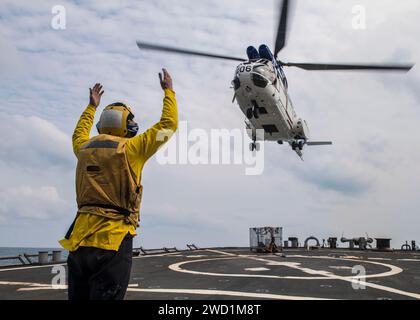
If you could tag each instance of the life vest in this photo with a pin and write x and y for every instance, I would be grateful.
(105, 183)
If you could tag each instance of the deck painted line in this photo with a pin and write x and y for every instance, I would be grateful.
(20, 283)
(33, 267)
(210, 292)
(222, 253)
(227, 293)
(40, 286)
(32, 286)
(351, 257)
(412, 260)
(256, 269)
(34, 289)
(380, 259)
(197, 256)
(62, 287)
(340, 267)
(383, 288)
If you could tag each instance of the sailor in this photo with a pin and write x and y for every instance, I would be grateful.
(109, 192)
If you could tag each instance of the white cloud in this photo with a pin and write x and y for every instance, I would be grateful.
(35, 159)
(25, 202)
(33, 142)
(10, 62)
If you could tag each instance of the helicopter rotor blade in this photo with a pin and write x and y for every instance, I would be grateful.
(360, 67)
(148, 46)
(282, 28)
(319, 143)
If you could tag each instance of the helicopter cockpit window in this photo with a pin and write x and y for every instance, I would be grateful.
(262, 75)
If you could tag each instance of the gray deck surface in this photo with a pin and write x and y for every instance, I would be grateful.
(240, 274)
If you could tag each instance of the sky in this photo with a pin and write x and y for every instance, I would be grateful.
(366, 183)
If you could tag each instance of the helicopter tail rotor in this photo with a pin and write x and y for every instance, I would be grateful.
(298, 145)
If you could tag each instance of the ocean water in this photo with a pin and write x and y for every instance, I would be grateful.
(15, 251)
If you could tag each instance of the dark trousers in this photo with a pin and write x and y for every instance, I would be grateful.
(98, 274)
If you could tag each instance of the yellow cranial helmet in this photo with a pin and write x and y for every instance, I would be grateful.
(115, 121)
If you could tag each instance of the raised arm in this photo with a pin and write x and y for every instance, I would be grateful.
(84, 125)
(146, 144)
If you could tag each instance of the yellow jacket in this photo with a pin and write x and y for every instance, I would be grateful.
(94, 231)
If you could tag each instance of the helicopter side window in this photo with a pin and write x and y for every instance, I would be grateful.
(286, 85)
(282, 77)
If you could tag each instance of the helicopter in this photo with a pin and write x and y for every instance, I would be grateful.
(261, 88)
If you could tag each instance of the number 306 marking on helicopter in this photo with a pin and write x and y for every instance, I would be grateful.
(241, 69)
(261, 89)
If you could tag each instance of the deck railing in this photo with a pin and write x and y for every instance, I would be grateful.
(45, 257)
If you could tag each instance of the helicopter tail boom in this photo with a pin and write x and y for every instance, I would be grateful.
(297, 145)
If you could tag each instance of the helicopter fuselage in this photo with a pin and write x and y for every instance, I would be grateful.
(261, 91)
(261, 87)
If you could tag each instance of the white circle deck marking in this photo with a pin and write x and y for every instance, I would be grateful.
(325, 274)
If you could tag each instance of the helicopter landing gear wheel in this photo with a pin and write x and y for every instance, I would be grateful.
(301, 145)
(254, 146)
(249, 113)
(256, 112)
(298, 145)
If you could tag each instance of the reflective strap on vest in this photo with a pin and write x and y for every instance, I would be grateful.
(107, 144)
(119, 210)
(70, 230)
